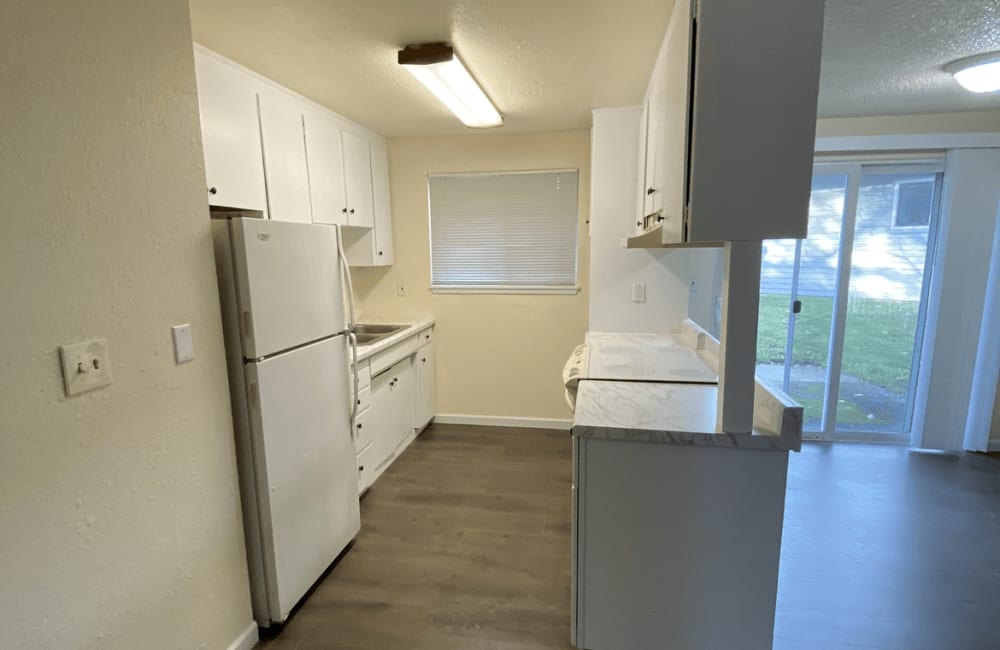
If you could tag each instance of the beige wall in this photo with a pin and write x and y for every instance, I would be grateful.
(496, 354)
(968, 122)
(119, 511)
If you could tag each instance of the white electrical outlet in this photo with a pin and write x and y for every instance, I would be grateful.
(638, 292)
(85, 366)
(400, 288)
(183, 342)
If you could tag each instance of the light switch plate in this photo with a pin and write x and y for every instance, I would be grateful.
(183, 342)
(638, 292)
(85, 366)
(400, 288)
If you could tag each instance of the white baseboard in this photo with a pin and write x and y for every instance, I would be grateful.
(247, 639)
(503, 421)
(994, 445)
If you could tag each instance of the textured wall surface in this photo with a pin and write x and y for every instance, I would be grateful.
(496, 354)
(119, 510)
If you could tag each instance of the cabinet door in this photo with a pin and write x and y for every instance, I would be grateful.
(423, 411)
(382, 205)
(402, 396)
(358, 173)
(285, 168)
(326, 168)
(230, 134)
(382, 418)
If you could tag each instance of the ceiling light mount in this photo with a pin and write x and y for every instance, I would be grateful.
(978, 74)
(438, 67)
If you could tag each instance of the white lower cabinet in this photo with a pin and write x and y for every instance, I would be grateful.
(423, 364)
(395, 399)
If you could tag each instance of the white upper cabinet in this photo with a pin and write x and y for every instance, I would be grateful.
(230, 135)
(732, 121)
(382, 205)
(358, 177)
(285, 168)
(326, 168)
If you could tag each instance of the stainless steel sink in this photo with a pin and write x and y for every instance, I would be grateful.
(378, 328)
(368, 333)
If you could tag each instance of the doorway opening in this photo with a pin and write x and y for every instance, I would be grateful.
(842, 312)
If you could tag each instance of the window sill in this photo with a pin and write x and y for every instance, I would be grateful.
(527, 290)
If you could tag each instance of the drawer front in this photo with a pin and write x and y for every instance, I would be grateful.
(366, 468)
(426, 336)
(363, 430)
(396, 353)
(364, 399)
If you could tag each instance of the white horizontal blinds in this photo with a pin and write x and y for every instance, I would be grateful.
(504, 229)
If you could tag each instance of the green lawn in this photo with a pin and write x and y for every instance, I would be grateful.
(878, 342)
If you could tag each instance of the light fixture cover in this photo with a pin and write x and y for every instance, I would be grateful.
(978, 74)
(437, 67)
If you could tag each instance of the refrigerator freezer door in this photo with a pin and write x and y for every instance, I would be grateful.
(306, 473)
(290, 284)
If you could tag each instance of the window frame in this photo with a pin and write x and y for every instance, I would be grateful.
(492, 288)
(895, 205)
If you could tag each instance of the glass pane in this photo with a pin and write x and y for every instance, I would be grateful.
(883, 306)
(814, 288)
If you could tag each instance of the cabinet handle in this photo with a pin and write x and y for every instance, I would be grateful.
(352, 210)
(638, 223)
(380, 252)
(359, 425)
(424, 359)
(361, 468)
(344, 210)
(213, 191)
(359, 401)
(428, 337)
(650, 191)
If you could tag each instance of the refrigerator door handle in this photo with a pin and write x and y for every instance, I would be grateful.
(352, 337)
(347, 278)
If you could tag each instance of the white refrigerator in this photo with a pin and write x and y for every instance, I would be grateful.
(285, 302)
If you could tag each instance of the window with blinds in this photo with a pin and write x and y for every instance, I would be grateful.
(504, 231)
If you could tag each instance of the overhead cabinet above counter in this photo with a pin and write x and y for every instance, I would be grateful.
(271, 151)
(728, 124)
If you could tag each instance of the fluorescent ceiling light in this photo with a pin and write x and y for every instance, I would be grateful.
(437, 67)
(978, 74)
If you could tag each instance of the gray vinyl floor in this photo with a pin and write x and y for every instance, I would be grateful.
(465, 545)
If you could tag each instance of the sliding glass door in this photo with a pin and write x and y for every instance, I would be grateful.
(841, 316)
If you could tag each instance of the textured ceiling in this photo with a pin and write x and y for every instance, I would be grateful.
(546, 63)
(885, 57)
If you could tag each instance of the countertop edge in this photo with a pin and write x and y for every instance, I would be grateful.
(366, 352)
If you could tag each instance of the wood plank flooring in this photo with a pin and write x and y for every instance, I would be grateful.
(465, 545)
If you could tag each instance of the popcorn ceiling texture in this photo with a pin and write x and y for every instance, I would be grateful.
(887, 57)
(119, 510)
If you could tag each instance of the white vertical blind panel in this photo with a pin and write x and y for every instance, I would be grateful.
(504, 229)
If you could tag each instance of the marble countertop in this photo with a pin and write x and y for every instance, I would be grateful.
(669, 413)
(371, 349)
(648, 401)
(670, 356)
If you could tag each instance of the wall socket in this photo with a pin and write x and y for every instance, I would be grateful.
(400, 288)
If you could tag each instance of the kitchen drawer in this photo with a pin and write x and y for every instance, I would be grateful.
(364, 429)
(396, 353)
(366, 468)
(364, 399)
(426, 336)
